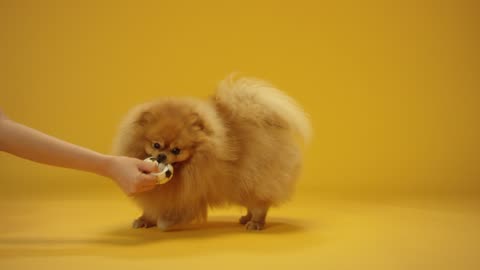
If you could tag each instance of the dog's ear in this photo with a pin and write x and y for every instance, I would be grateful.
(197, 123)
(145, 118)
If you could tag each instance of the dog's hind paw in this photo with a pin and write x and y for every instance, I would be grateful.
(245, 219)
(254, 226)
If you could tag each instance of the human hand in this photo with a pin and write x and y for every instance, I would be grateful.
(131, 174)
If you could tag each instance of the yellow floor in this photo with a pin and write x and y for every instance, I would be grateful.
(392, 88)
(307, 233)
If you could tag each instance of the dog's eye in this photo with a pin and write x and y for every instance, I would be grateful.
(176, 151)
(157, 145)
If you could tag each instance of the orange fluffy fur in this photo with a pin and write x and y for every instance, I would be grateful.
(236, 148)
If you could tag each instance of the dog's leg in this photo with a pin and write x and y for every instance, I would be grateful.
(168, 220)
(165, 224)
(244, 219)
(142, 222)
(257, 221)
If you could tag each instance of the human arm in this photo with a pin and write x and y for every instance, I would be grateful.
(28, 143)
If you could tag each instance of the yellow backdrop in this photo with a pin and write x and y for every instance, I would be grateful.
(392, 87)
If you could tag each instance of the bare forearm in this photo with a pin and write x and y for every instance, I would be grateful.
(31, 144)
(132, 175)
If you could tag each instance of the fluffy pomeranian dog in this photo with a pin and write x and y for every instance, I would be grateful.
(238, 147)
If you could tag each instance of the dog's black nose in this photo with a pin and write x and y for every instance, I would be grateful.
(161, 158)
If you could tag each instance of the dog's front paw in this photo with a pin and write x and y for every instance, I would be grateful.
(164, 225)
(254, 225)
(142, 222)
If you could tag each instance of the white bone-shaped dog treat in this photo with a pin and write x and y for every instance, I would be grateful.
(166, 171)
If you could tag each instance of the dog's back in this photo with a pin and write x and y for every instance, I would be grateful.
(263, 121)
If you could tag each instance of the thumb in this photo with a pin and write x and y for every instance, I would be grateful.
(147, 167)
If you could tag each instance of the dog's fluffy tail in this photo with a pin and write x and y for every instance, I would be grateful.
(258, 101)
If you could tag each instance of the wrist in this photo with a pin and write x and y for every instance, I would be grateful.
(105, 165)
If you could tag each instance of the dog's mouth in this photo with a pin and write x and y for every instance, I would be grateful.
(175, 164)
